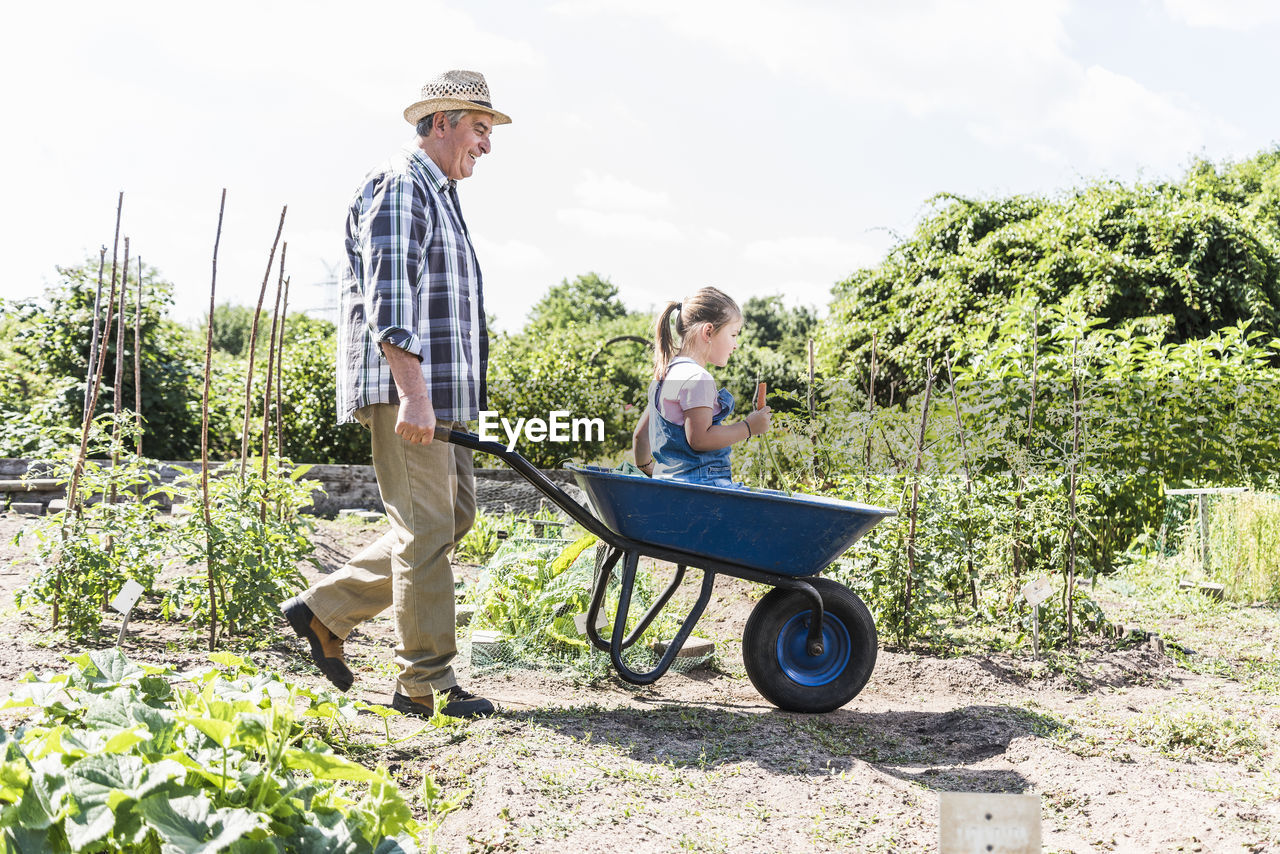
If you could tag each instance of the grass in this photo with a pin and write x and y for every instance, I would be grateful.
(1196, 732)
(1220, 638)
(1244, 546)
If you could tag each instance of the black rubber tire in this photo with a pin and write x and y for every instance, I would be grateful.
(773, 639)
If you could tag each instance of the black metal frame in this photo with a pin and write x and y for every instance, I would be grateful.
(630, 551)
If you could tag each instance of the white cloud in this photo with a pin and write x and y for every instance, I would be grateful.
(509, 254)
(608, 192)
(925, 57)
(812, 253)
(1002, 67)
(1112, 120)
(1241, 15)
(1116, 116)
(635, 226)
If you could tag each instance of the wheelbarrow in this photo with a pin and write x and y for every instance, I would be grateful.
(809, 644)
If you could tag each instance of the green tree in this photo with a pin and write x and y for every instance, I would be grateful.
(1183, 258)
(585, 301)
(47, 340)
(232, 326)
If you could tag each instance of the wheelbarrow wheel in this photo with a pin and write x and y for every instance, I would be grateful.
(774, 648)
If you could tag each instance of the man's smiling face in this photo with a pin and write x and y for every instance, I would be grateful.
(465, 144)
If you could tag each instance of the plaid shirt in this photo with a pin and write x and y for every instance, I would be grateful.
(411, 281)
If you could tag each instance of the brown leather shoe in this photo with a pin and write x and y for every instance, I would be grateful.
(326, 647)
(457, 703)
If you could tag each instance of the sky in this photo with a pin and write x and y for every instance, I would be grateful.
(762, 147)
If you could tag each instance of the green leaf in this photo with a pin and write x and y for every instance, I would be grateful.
(227, 660)
(327, 766)
(189, 825)
(103, 667)
(15, 777)
(219, 730)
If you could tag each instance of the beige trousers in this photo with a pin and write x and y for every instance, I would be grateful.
(430, 496)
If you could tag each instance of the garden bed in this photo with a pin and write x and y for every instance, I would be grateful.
(1129, 750)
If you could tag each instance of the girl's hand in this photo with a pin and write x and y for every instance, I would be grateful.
(758, 420)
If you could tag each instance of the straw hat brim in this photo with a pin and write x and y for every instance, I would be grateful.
(415, 113)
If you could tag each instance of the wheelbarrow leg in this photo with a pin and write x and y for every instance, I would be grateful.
(616, 644)
(597, 602)
(603, 572)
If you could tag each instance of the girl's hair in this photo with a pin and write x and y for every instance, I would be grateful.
(708, 305)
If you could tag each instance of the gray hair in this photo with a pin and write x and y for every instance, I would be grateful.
(427, 122)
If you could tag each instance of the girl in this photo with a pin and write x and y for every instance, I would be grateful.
(682, 434)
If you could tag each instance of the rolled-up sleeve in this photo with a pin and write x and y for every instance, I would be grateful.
(397, 220)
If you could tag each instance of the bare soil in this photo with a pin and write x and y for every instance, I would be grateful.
(699, 762)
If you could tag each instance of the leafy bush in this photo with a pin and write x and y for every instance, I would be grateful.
(255, 538)
(1196, 256)
(533, 588)
(84, 556)
(116, 757)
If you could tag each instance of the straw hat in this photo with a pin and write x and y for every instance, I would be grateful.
(454, 90)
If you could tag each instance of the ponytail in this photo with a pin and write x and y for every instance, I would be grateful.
(664, 348)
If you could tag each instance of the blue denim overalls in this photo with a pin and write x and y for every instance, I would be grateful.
(674, 459)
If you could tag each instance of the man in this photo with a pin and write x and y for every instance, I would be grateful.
(412, 356)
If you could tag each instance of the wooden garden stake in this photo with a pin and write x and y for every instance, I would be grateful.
(813, 459)
(137, 359)
(93, 339)
(266, 394)
(871, 412)
(73, 506)
(1071, 495)
(94, 356)
(253, 343)
(968, 481)
(117, 392)
(915, 502)
(284, 315)
(1031, 420)
(204, 439)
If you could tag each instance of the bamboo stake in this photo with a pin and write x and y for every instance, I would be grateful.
(813, 458)
(266, 394)
(137, 359)
(117, 392)
(73, 505)
(284, 315)
(968, 482)
(915, 503)
(253, 342)
(1031, 418)
(93, 340)
(204, 439)
(871, 413)
(1071, 495)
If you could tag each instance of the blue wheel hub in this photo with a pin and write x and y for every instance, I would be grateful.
(813, 670)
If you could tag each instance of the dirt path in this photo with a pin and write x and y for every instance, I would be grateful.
(699, 762)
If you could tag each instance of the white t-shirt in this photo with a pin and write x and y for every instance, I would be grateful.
(688, 385)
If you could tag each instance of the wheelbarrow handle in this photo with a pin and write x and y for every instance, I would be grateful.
(531, 473)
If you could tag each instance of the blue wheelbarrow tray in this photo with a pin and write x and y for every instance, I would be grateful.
(764, 530)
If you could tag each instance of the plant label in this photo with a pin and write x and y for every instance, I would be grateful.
(127, 597)
(1037, 591)
(981, 823)
(580, 621)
